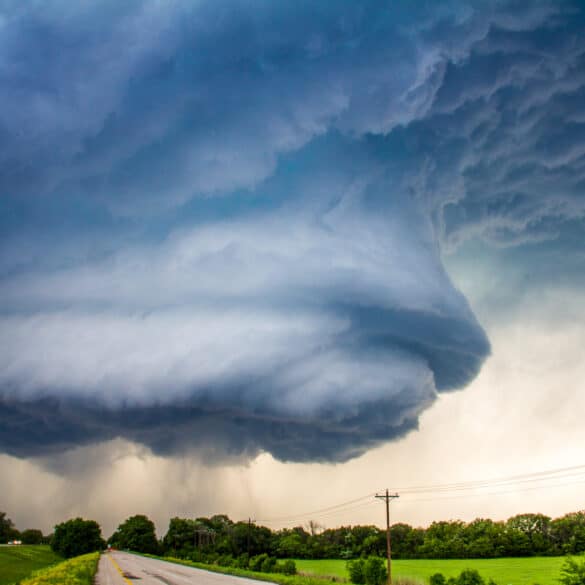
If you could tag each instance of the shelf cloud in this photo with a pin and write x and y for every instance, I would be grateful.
(224, 224)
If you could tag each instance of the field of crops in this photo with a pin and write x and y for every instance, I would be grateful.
(17, 562)
(525, 571)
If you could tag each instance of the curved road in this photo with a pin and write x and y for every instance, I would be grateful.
(118, 568)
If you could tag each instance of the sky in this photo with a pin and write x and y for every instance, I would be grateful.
(265, 258)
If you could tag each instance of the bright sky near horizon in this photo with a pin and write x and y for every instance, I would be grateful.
(263, 258)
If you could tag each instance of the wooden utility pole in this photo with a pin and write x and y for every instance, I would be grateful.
(388, 497)
(249, 531)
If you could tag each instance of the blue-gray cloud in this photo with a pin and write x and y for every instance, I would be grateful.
(224, 222)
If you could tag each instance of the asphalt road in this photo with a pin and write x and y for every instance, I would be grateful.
(118, 568)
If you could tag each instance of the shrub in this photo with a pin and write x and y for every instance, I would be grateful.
(243, 561)
(375, 572)
(470, 577)
(289, 567)
(256, 562)
(356, 571)
(268, 565)
(572, 573)
(438, 579)
(225, 561)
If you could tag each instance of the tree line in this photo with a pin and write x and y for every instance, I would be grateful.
(219, 539)
(521, 535)
(8, 532)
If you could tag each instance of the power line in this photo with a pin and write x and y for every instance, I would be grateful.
(570, 472)
(324, 515)
(497, 493)
(409, 499)
(317, 512)
(527, 477)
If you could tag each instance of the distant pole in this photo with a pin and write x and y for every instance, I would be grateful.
(388, 497)
(249, 531)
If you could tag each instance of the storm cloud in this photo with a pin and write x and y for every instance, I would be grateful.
(224, 224)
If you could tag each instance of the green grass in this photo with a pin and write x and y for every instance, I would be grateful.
(524, 571)
(17, 562)
(521, 571)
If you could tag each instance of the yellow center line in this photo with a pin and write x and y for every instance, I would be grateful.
(128, 582)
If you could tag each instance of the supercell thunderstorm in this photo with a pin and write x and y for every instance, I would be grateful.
(223, 224)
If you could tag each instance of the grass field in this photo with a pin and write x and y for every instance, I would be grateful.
(17, 562)
(525, 571)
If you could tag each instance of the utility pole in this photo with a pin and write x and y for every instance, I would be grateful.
(249, 531)
(388, 497)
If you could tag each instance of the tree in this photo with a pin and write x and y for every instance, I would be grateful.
(7, 530)
(444, 540)
(568, 533)
(290, 545)
(375, 545)
(367, 541)
(181, 536)
(137, 533)
(404, 544)
(535, 529)
(31, 536)
(77, 537)
(314, 527)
